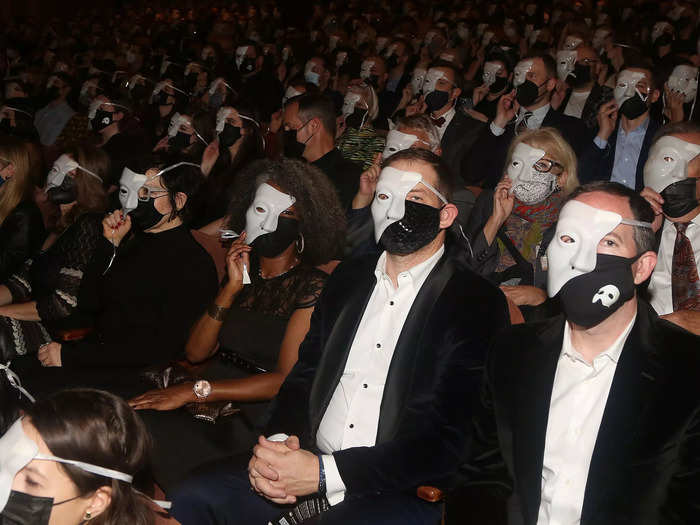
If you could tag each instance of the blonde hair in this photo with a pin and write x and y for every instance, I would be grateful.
(369, 97)
(19, 187)
(551, 141)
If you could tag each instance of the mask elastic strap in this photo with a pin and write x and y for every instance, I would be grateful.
(29, 114)
(14, 381)
(90, 173)
(164, 170)
(640, 224)
(88, 467)
(436, 192)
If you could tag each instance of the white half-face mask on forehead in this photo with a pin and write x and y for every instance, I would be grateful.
(574, 248)
(431, 80)
(626, 86)
(176, 122)
(241, 52)
(572, 42)
(684, 79)
(417, 80)
(599, 38)
(366, 69)
(351, 98)
(520, 72)
(668, 162)
(534, 35)
(61, 167)
(566, 60)
(529, 185)
(289, 94)
(129, 185)
(398, 141)
(17, 450)
(389, 204)
(264, 212)
(340, 58)
(221, 117)
(491, 70)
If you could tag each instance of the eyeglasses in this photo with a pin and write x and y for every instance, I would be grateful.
(546, 165)
(147, 193)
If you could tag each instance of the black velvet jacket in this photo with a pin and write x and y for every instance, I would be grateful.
(433, 383)
(645, 467)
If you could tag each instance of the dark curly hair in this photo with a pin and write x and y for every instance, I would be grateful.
(322, 221)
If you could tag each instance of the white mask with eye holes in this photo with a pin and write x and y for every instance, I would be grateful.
(398, 141)
(534, 35)
(341, 58)
(659, 29)
(598, 41)
(520, 72)
(61, 167)
(626, 86)
(264, 212)
(529, 185)
(574, 248)
(349, 102)
(176, 122)
(572, 42)
(566, 60)
(129, 185)
(491, 70)
(389, 204)
(431, 80)
(668, 162)
(486, 39)
(366, 69)
(684, 79)
(289, 94)
(221, 117)
(241, 52)
(417, 80)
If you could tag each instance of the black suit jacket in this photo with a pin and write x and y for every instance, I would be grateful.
(599, 95)
(487, 158)
(458, 139)
(597, 164)
(645, 467)
(433, 382)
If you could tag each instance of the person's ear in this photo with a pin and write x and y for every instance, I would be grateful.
(643, 267)
(180, 200)
(562, 179)
(551, 84)
(448, 215)
(10, 170)
(456, 92)
(120, 114)
(98, 503)
(654, 96)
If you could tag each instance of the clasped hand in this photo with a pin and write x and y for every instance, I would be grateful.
(281, 472)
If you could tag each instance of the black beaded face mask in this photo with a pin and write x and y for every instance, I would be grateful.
(418, 227)
(680, 198)
(66, 193)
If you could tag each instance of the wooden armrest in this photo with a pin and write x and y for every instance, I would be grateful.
(430, 494)
(73, 334)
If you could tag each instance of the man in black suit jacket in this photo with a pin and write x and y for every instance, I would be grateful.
(381, 398)
(597, 409)
(626, 123)
(527, 106)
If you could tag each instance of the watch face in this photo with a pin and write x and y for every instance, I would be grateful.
(202, 388)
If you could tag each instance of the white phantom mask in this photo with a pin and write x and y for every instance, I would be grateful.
(240, 55)
(176, 122)
(429, 37)
(520, 73)
(349, 102)
(129, 185)
(599, 38)
(366, 69)
(574, 248)
(491, 69)
(480, 29)
(572, 42)
(61, 167)
(684, 79)
(221, 117)
(607, 295)
(381, 43)
(397, 141)
(668, 162)
(486, 39)
(626, 86)
(340, 58)
(214, 86)
(431, 79)
(534, 35)
(566, 60)
(530, 186)
(91, 83)
(290, 93)
(264, 212)
(389, 204)
(17, 450)
(333, 42)
(417, 80)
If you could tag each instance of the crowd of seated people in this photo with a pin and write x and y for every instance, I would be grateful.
(351, 263)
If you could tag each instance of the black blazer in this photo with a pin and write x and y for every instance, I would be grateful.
(458, 139)
(597, 164)
(645, 467)
(433, 382)
(21, 234)
(599, 95)
(487, 158)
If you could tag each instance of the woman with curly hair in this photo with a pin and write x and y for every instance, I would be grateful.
(251, 333)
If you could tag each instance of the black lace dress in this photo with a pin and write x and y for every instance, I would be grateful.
(250, 340)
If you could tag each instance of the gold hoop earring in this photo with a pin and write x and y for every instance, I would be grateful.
(301, 238)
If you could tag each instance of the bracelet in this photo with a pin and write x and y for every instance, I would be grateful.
(321, 476)
(216, 312)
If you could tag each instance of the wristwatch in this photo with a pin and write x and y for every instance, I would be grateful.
(202, 389)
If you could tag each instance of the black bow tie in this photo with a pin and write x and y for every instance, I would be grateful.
(438, 122)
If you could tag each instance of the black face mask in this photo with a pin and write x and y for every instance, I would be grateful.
(293, 149)
(145, 215)
(392, 62)
(66, 193)
(179, 141)
(274, 243)
(498, 85)
(418, 227)
(527, 93)
(25, 509)
(191, 81)
(634, 107)
(591, 298)
(666, 39)
(162, 99)
(540, 46)
(139, 92)
(436, 99)
(373, 80)
(680, 198)
(229, 135)
(580, 76)
(210, 62)
(247, 66)
(101, 120)
(53, 93)
(5, 126)
(356, 118)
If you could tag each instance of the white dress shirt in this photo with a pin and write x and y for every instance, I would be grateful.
(577, 102)
(660, 284)
(534, 122)
(352, 416)
(448, 118)
(579, 395)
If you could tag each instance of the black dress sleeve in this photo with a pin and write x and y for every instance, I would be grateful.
(21, 233)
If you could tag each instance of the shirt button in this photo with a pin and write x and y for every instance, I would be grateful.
(364, 386)
(379, 345)
(391, 303)
(352, 426)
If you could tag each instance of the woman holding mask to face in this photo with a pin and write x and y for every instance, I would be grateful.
(509, 226)
(360, 142)
(291, 221)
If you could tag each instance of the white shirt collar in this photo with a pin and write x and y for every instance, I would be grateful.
(613, 352)
(538, 115)
(417, 274)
